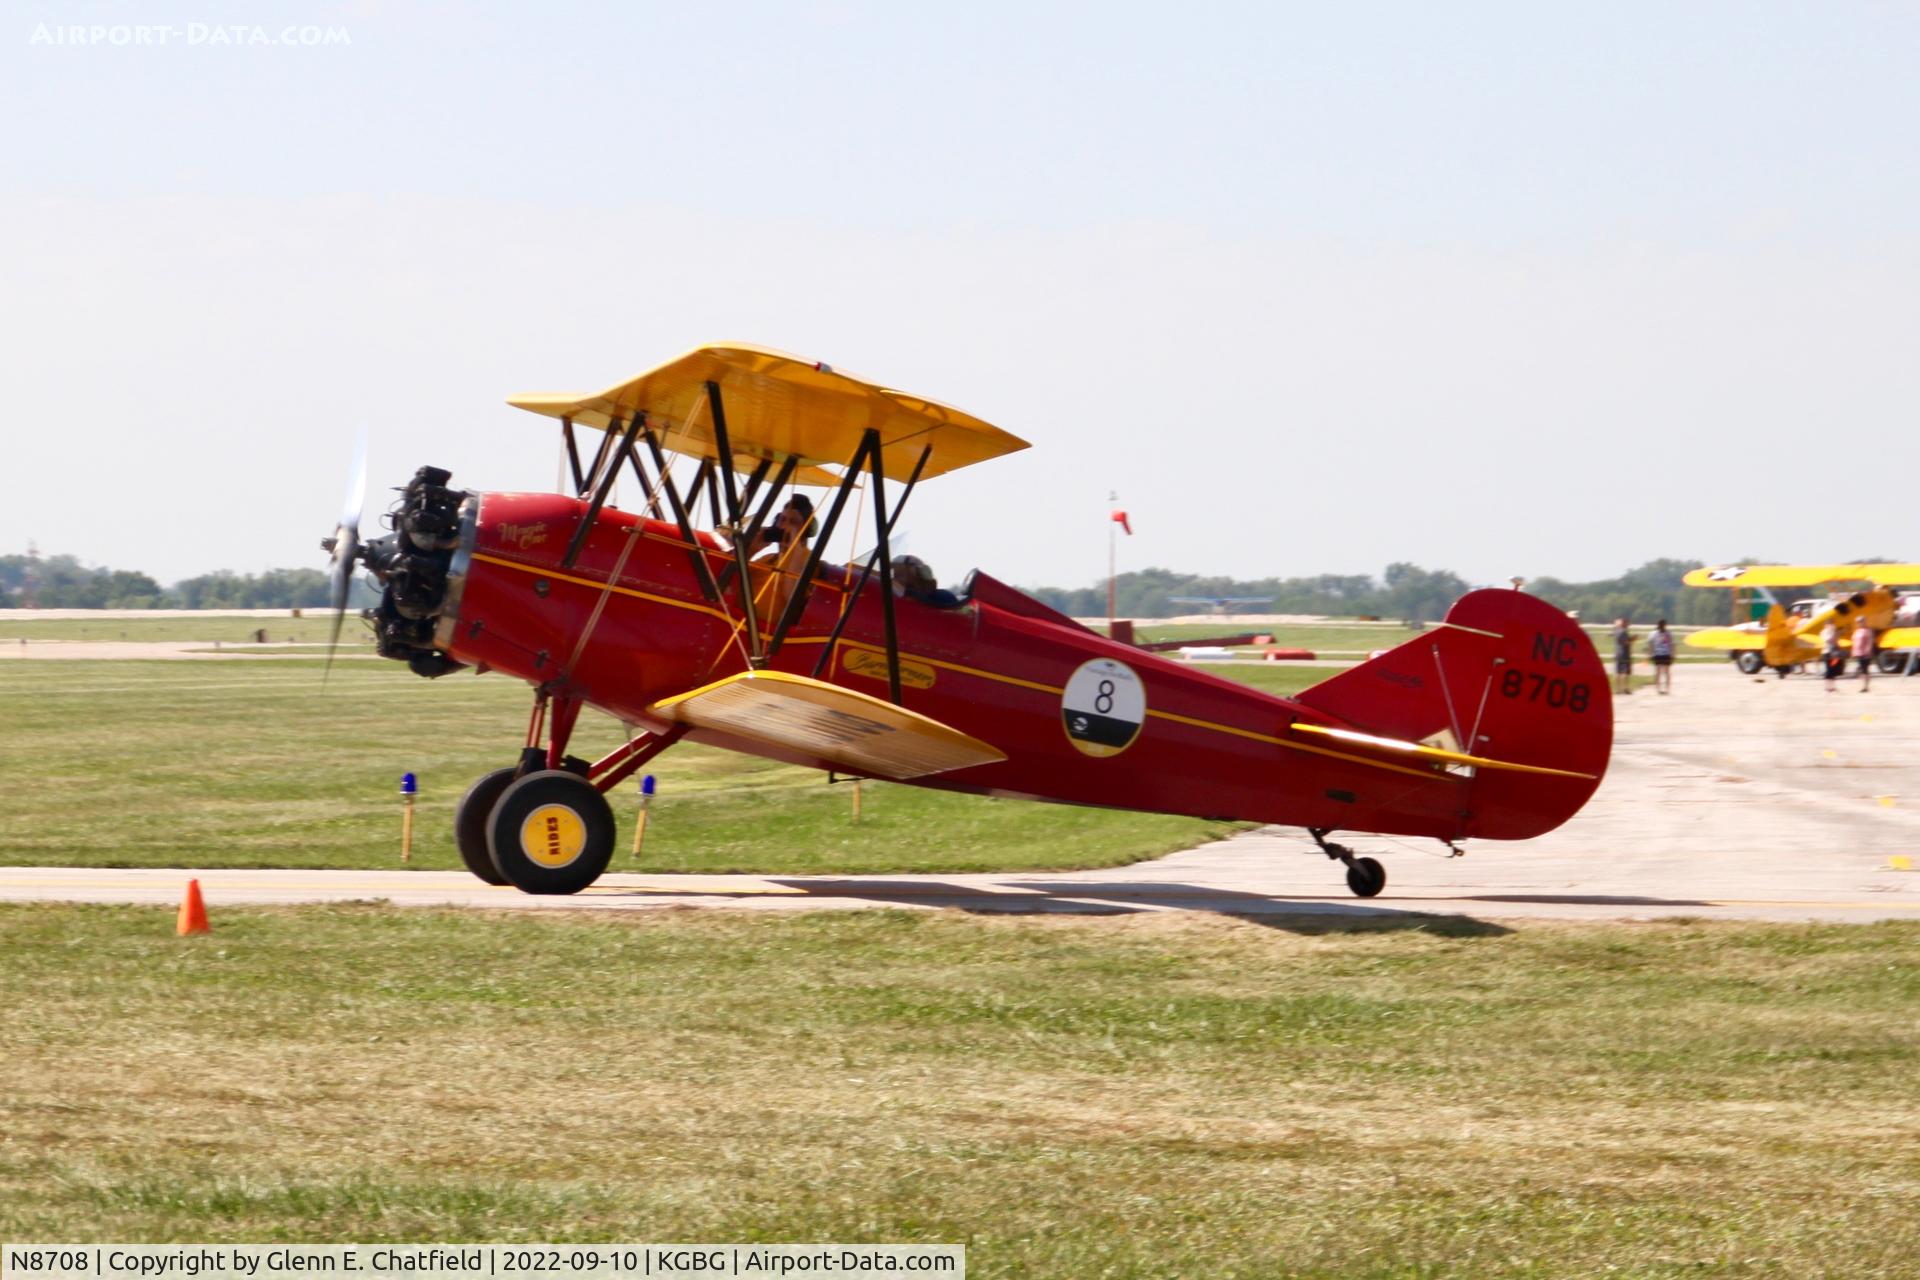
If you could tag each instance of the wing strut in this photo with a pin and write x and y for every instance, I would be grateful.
(713, 489)
(605, 487)
(866, 570)
(886, 572)
(743, 544)
(701, 568)
(753, 482)
(869, 455)
(791, 614)
(599, 456)
(723, 450)
(646, 486)
(573, 456)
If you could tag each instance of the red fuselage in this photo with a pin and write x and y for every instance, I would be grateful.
(1154, 735)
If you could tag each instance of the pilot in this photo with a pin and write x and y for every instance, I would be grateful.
(790, 529)
(913, 578)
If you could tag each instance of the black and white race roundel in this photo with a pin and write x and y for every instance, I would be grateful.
(1103, 707)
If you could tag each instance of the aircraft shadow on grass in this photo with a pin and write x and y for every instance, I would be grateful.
(1590, 899)
(1295, 914)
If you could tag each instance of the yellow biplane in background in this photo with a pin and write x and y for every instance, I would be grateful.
(1789, 635)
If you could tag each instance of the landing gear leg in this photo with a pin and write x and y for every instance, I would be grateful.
(544, 825)
(1365, 876)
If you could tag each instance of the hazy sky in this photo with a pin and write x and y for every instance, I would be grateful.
(1500, 288)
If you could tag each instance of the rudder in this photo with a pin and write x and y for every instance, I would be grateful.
(1506, 676)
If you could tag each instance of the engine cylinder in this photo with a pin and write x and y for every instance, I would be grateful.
(411, 565)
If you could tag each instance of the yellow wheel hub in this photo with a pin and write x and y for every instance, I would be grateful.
(553, 835)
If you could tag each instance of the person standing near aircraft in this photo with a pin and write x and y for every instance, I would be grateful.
(1660, 649)
(1831, 659)
(1622, 657)
(1863, 652)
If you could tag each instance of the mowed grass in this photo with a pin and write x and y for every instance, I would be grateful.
(1120, 1096)
(1334, 635)
(255, 764)
(313, 628)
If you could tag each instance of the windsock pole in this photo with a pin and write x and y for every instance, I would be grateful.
(1112, 496)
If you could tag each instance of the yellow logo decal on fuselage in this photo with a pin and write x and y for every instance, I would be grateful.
(865, 662)
(524, 535)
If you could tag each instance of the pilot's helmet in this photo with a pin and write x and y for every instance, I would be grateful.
(912, 576)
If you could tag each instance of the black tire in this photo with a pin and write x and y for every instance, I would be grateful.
(470, 823)
(571, 822)
(1749, 661)
(1891, 662)
(1366, 877)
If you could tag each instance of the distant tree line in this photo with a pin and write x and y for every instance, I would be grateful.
(1404, 592)
(62, 582)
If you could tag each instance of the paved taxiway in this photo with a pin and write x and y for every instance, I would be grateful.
(1735, 799)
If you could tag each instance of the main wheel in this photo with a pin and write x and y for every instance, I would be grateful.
(470, 823)
(1366, 877)
(1749, 661)
(550, 832)
(1891, 662)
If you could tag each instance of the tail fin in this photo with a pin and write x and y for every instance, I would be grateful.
(1781, 648)
(1507, 676)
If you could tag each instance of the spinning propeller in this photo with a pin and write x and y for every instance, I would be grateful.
(345, 546)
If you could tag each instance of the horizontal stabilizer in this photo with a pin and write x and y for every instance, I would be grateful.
(1425, 752)
(843, 728)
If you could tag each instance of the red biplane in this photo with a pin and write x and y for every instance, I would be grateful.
(1496, 724)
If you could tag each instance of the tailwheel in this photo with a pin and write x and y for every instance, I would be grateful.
(551, 832)
(470, 823)
(1366, 877)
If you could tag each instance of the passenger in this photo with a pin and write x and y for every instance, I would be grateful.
(913, 578)
(790, 529)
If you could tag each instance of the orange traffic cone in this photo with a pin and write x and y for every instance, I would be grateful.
(193, 912)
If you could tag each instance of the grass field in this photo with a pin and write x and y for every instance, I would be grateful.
(1334, 636)
(1123, 1096)
(244, 764)
(314, 627)
(311, 629)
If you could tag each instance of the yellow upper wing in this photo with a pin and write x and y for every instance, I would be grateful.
(778, 406)
(1801, 575)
